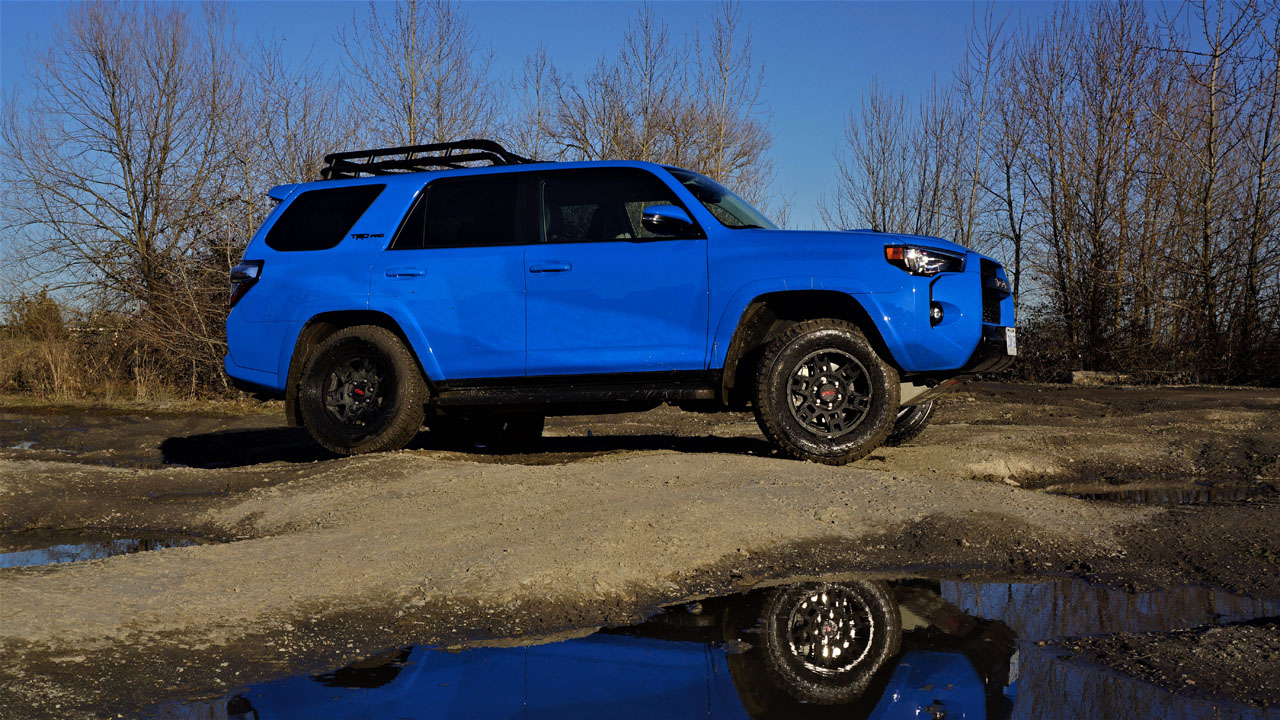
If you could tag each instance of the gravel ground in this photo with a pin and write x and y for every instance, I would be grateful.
(318, 560)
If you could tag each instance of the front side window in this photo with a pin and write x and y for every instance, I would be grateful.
(319, 219)
(599, 204)
(732, 211)
(462, 212)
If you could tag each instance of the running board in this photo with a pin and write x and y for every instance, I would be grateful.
(569, 392)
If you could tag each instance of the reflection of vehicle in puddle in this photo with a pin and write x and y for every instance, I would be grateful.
(31, 550)
(838, 648)
(809, 650)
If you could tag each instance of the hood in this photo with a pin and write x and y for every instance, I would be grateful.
(884, 238)
(867, 238)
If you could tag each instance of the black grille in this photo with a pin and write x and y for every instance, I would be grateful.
(991, 295)
(990, 308)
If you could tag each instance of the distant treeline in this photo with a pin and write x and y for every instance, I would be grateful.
(1121, 163)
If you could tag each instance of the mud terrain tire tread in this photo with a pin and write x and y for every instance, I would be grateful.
(408, 397)
(773, 416)
(907, 427)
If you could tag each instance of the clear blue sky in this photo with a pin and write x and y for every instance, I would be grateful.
(818, 56)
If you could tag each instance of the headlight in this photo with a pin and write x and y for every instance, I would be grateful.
(923, 261)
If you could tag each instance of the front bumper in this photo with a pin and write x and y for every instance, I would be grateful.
(992, 352)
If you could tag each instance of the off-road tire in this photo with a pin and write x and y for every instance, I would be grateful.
(873, 378)
(868, 605)
(505, 433)
(398, 391)
(911, 421)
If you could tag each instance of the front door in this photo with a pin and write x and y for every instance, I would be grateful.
(605, 295)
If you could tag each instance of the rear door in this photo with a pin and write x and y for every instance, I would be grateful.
(456, 266)
(605, 295)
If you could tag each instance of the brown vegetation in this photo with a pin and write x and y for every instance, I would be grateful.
(1125, 168)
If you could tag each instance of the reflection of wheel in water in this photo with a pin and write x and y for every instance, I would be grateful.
(824, 642)
(911, 421)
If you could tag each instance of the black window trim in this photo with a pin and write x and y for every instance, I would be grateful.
(540, 221)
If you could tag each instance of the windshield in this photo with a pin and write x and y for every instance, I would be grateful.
(732, 211)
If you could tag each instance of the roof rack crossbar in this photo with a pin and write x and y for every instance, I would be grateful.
(384, 161)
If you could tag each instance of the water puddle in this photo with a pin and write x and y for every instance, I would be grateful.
(31, 550)
(1198, 495)
(836, 648)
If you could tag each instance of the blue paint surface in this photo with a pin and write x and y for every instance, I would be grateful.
(615, 306)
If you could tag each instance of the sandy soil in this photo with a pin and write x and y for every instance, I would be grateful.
(320, 560)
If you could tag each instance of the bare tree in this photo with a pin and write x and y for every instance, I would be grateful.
(895, 165)
(735, 145)
(115, 162)
(1124, 167)
(531, 123)
(418, 74)
(973, 84)
(644, 103)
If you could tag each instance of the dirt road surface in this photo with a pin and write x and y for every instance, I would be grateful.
(306, 560)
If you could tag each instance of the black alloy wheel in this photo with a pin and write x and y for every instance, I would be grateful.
(830, 393)
(361, 391)
(823, 394)
(352, 393)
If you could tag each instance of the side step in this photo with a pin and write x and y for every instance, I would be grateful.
(572, 391)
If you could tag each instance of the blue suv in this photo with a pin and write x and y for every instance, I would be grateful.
(463, 288)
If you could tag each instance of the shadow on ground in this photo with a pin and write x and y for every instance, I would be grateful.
(239, 448)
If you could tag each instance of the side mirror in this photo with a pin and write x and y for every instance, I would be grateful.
(667, 220)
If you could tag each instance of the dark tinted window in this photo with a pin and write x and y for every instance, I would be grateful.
(461, 212)
(599, 204)
(319, 219)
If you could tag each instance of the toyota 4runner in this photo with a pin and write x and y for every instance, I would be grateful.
(463, 288)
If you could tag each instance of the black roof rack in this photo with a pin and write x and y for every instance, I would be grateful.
(417, 158)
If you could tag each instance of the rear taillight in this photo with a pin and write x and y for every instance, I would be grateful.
(244, 276)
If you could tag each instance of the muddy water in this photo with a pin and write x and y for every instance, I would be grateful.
(834, 648)
(1175, 495)
(32, 549)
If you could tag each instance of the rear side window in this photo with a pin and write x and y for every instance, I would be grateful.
(319, 219)
(462, 212)
(600, 204)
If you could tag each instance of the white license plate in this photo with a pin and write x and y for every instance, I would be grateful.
(1011, 341)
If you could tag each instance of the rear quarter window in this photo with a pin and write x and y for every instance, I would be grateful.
(319, 219)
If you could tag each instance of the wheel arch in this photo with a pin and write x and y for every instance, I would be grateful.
(771, 313)
(318, 328)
